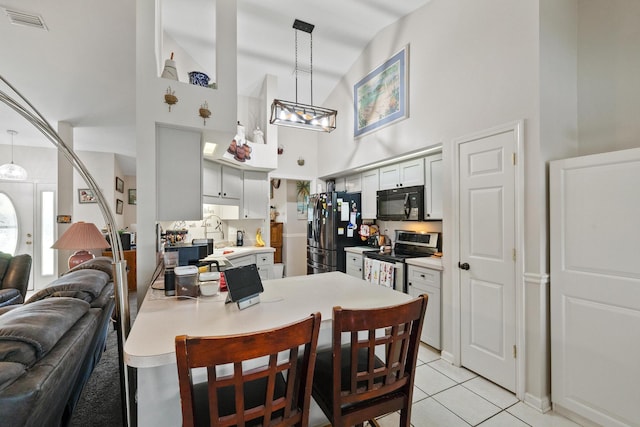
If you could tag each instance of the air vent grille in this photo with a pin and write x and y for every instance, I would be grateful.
(26, 19)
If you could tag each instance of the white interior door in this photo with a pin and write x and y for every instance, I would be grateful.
(487, 244)
(595, 287)
(17, 231)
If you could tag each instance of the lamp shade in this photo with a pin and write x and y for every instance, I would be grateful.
(81, 236)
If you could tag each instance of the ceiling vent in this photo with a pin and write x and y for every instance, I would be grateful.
(26, 19)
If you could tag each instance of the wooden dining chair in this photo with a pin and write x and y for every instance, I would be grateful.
(353, 385)
(273, 389)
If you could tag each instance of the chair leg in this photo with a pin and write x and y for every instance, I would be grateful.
(404, 418)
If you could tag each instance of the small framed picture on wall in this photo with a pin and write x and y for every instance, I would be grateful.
(119, 206)
(133, 200)
(119, 185)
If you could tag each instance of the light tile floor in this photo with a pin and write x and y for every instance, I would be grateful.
(448, 396)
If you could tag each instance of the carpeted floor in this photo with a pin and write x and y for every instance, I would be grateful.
(99, 404)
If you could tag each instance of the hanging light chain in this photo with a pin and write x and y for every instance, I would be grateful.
(12, 132)
(296, 66)
(311, 65)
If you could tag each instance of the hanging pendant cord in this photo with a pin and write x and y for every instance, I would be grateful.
(296, 66)
(12, 133)
(311, 65)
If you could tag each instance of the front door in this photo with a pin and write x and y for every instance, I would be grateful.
(16, 219)
(487, 256)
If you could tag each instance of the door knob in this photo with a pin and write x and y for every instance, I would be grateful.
(464, 265)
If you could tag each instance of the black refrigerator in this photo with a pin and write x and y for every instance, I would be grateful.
(333, 223)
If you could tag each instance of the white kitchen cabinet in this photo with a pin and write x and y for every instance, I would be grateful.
(353, 183)
(179, 174)
(433, 187)
(370, 186)
(427, 281)
(222, 182)
(405, 174)
(339, 184)
(255, 195)
(264, 262)
(354, 265)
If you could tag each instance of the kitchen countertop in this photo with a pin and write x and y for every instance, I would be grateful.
(434, 263)
(240, 251)
(359, 249)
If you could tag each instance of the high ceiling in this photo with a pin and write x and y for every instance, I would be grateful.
(82, 68)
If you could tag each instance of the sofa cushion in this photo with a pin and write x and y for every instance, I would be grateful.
(29, 332)
(101, 263)
(86, 285)
(9, 372)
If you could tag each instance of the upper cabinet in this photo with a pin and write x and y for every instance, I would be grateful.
(178, 174)
(221, 182)
(353, 183)
(405, 174)
(433, 187)
(370, 186)
(256, 195)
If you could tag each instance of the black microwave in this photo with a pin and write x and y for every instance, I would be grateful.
(401, 204)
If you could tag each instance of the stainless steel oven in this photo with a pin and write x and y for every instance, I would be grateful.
(408, 244)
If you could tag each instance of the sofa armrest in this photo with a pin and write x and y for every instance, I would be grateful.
(10, 296)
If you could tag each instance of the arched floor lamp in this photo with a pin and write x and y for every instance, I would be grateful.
(23, 107)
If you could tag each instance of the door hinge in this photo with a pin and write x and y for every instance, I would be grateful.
(513, 157)
(514, 254)
(515, 351)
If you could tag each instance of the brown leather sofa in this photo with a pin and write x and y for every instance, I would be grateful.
(14, 278)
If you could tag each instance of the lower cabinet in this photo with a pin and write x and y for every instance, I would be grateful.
(427, 281)
(354, 265)
(264, 262)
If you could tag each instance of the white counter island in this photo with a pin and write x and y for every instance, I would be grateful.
(150, 345)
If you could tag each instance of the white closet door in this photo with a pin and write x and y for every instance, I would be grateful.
(595, 287)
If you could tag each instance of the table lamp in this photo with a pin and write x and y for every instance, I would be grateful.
(80, 237)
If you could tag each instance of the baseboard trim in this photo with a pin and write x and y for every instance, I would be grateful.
(445, 355)
(540, 404)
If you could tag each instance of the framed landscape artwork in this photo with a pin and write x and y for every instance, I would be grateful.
(133, 198)
(381, 97)
(119, 206)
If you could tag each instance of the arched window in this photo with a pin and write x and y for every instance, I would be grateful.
(8, 225)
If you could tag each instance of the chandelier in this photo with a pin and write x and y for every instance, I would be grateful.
(295, 114)
(11, 171)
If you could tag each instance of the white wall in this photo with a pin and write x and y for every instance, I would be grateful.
(294, 239)
(130, 211)
(472, 66)
(102, 167)
(150, 110)
(296, 144)
(609, 75)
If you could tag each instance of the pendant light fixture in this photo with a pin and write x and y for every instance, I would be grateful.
(11, 171)
(303, 116)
